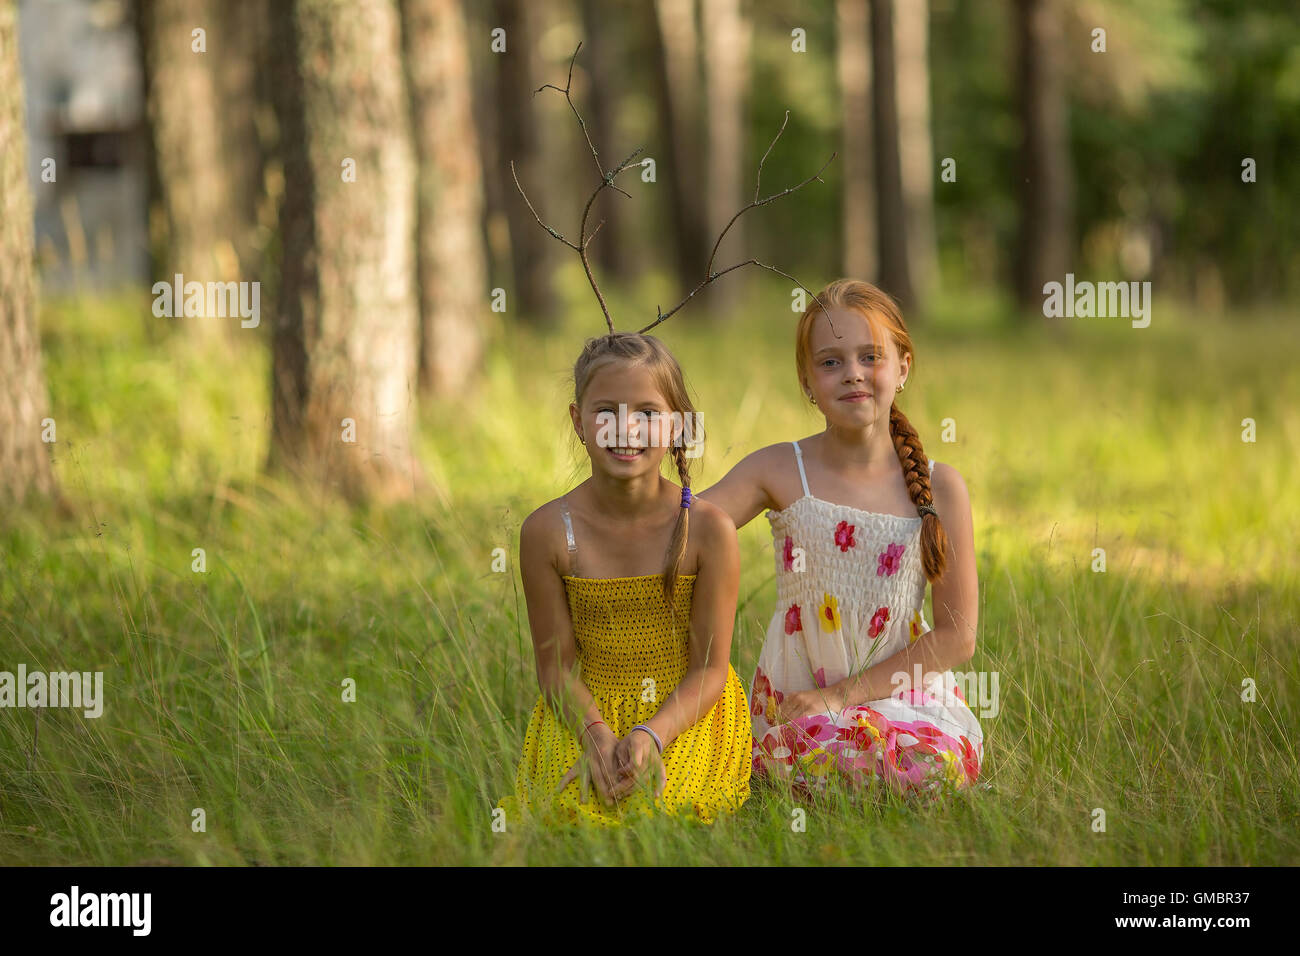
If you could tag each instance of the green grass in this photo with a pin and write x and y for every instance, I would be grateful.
(1119, 690)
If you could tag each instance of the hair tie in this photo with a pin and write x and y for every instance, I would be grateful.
(927, 509)
(687, 497)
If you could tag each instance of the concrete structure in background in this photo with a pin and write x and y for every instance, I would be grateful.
(85, 110)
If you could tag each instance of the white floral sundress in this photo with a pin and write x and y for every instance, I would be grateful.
(857, 600)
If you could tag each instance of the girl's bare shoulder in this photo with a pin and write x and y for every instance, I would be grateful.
(541, 532)
(948, 489)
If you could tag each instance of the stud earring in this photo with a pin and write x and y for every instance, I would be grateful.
(899, 389)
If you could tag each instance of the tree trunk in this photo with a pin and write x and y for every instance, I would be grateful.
(452, 269)
(519, 139)
(1045, 183)
(891, 219)
(674, 55)
(345, 332)
(190, 231)
(726, 57)
(25, 468)
(916, 151)
(853, 66)
(602, 53)
(241, 65)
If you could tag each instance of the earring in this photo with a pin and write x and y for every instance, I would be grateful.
(811, 399)
(581, 438)
(899, 389)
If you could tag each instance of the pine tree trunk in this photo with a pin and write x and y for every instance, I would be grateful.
(1045, 181)
(891, 218)
(25, 469)
(603, 56)
(853, 54)
(345, 332)
(670, 27)
(191, 230)
(452, 270)
(726, 56)
(519, 139)
(916, 150)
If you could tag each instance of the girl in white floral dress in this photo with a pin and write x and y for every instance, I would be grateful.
(852, 683)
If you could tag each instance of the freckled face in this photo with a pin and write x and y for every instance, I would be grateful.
(855, 376)
(619, 393)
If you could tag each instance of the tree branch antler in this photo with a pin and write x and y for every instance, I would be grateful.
(710, 275)
(606, 181)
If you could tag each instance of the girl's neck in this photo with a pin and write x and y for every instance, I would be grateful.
(862, 449)
(629, 498)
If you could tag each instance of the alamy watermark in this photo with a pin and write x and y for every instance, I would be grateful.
(612, 430)
(55, 689)
(1101, 299)
(178, 298)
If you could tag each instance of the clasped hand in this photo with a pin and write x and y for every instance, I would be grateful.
(616, 766)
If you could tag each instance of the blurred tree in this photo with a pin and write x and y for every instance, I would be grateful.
(603, 57)
(916, 153)
(241, 34)
(194, 210)
(1046, 219)
(670, 28)
(891, 218)
(861, 257)
(518, 139)
(450, 254)
(25, 468)
(726, 35)
(345, 331)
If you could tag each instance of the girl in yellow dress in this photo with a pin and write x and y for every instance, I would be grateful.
(640, 710)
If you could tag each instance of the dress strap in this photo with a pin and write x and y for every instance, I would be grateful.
(932, 466)
(798, 456)
(568, 525)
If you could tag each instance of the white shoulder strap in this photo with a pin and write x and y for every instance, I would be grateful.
(568, 525)
(932, 466)
(798, 456)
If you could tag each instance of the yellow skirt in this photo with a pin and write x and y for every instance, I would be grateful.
(707, 766)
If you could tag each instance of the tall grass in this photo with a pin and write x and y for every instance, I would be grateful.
(1120, 690)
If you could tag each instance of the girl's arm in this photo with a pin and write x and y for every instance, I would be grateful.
(951, 641)
(713, 613)
(741, 492)
(552, 631)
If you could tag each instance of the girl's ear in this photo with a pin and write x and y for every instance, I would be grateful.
(575, 415)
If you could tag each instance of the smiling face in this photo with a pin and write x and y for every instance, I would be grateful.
(625, 420)
(855, 375)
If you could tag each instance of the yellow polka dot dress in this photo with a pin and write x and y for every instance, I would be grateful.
(632, 653)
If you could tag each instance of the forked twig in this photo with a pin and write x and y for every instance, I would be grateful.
(710, 275)
(607, 181)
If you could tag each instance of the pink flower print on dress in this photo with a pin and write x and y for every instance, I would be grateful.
(787, 554)
(888, 561)
(792, 621)
(844, 535)
(878, 621)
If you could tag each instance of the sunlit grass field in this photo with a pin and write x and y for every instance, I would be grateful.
(1120, 691)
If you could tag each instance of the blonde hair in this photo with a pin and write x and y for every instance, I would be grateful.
(634, 348)
(884, 316)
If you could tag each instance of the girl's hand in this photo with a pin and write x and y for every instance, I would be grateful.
(809, 703)
(635, 756)
(595, 766)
